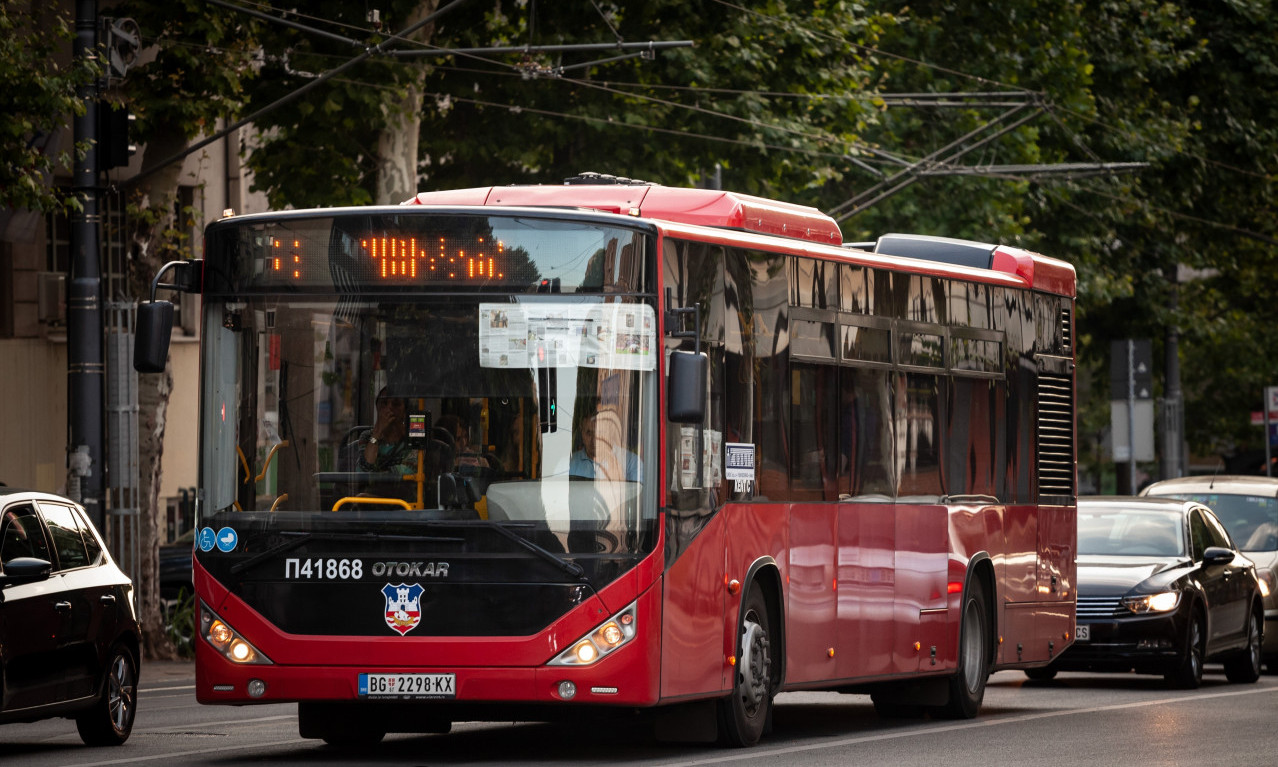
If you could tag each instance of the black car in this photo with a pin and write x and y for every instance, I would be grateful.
(1161, 590)
(69, 637)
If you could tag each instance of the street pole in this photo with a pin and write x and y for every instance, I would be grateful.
(85, 369)
(1173, 463)
(1131, 416)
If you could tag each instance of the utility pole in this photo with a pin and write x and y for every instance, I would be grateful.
(1173, 463)
(85, 369)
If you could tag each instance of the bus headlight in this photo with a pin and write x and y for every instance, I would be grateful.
(608, 636)
(227, 640)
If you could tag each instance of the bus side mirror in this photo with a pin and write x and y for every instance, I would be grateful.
(686, 387)
(151, 345)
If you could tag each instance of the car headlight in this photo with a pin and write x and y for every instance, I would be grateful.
(606, 637)
(1266, 582)
(1153, 603)
(227, 640)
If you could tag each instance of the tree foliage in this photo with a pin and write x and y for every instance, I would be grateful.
(772, 95)
(323, 149)
(37, 101)
(790, 100)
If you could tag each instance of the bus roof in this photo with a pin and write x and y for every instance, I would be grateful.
(742, 212)
(703, 207)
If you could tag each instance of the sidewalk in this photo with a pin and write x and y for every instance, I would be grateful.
(167, 673)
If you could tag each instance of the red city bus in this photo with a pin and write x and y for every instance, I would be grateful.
(523, 453)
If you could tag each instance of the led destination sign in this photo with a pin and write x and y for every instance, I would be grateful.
(396, 258)
(352, 251)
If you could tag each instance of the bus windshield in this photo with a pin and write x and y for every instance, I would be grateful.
(420, 412)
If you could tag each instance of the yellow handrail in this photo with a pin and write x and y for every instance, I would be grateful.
(369, 499)
(279, 500)
(267, 463)
(419, 477)
(248, 473)
(244, 462)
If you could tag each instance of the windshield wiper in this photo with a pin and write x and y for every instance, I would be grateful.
(299, 538)
(572, 568)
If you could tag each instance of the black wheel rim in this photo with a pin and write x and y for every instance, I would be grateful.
(120, 693)
(1253, 644)
(1195, 649)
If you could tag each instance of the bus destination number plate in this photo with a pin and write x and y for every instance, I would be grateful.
(407, 686)
(1082, 633)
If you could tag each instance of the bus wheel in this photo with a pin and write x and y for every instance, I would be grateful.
(744, 715)
(1041, 674)
(967, 686)
(351, 739)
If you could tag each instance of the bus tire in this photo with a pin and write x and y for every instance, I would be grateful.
(967, 686)
(1041, 674)
(354, 739)
(745, 714)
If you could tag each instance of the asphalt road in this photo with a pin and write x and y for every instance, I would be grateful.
(1082, 720)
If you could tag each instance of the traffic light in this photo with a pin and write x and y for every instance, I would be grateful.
(115, 145)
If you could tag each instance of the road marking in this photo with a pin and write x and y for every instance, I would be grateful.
(758, 754)
(166, 689)
(202, 725)
(193, 752)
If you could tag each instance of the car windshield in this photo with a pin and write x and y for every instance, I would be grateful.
(1252, 520)
(1126, 532)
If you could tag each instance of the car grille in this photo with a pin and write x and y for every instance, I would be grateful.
(1100, 607)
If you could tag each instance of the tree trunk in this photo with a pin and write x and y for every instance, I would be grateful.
(397, 144)
(150, 215)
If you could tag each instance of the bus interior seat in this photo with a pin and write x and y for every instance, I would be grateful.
(348, 449)
(518, 500)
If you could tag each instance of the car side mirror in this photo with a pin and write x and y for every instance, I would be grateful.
(25, 570)
(1217, 555)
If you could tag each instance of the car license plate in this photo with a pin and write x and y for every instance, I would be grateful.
(1082, 633)
(407, 686)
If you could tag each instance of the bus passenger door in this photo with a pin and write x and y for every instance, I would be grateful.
(693, 608)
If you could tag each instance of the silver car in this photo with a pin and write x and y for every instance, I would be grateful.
(1248, 507)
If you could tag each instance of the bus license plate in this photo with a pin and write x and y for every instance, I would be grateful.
(407, 686)
(1082, 633)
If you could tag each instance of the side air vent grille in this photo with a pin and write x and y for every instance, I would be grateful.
(1055, 435)
(1067, 329)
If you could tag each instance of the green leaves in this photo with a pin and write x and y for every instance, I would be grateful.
(38, 101)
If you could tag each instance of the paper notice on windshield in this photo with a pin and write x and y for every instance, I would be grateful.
(545, 335)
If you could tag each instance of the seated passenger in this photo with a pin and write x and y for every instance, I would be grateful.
(385, 446)
(466, 456)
